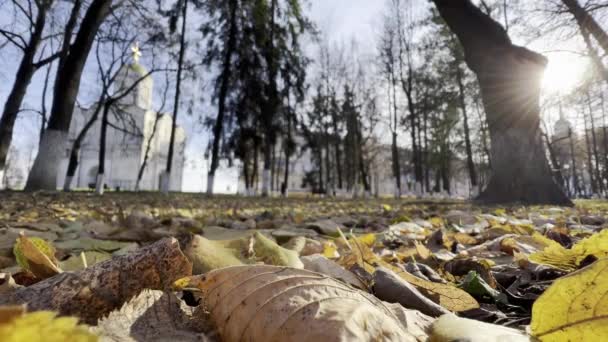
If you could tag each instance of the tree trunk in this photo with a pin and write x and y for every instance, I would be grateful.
(144, 164)
(510, 80)
(596, 155)
(557, 168)
(396, 166)
(100, 185)
(43, 175)
(166, 184)
(223, 94)
(586, 21)
(577, 187)
(589, 153)
(285, 185)
(465, 120)
(73, 162)
(24, 75)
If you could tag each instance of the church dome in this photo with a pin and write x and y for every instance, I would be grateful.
(562, 128)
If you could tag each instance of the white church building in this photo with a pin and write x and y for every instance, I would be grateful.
(127, 140)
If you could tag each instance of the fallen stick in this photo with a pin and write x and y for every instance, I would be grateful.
(94, 292)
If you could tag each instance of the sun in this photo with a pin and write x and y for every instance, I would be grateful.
(564, 73)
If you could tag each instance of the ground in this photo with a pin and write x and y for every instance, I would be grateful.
(486, 263)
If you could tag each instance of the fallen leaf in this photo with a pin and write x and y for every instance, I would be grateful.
(269, 303)
(36, 256)
(271, 253)
(151, 316)
(570, 259)
(33, 326)
(452, 328)
(574, 307)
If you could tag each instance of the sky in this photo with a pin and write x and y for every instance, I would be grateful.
(339, 20)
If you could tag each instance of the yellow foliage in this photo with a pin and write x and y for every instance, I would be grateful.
(368, 239)
(437, 222)
(448, 296)
(36, 256)
(330, 250)
(44, 326)
(569, 259)
(575, 307)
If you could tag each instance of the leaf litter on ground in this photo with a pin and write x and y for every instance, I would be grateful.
(407, 261)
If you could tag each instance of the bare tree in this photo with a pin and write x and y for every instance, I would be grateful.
(69, 72)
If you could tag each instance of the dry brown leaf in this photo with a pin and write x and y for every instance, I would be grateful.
(268, 303)
(151, 316)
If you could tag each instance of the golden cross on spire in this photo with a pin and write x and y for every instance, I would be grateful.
(136, 52)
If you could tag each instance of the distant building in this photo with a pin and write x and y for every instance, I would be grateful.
(127, 140)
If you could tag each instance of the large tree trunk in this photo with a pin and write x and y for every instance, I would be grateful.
(26, 70)
(52, 149)
(510, 80)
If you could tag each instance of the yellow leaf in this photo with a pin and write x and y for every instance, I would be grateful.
(575, 307)
(387, 207)
(500, 212)
(270, 253)
(437, 222)
(368, 239)
(37, 256)
(330, 250)
(423, 252)
(44, 326)
(207, 255)
(570, 259)
(448, 296)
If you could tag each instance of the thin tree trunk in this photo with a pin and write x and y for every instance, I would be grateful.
(271, 103)
(166, 178)
(328, 177)
(596, 156)
(285, 186)
(557, 168)
(144, 164)
(510, 80)
(43, 111)
(24, 75)
(100, 184)
(43, 175)
(75, 151)
(223, 94)
(586, 21)
(577, 187)
(465, 120)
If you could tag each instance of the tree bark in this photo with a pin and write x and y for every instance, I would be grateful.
(99, 187)
(94, 292)
(223, 94)
(586, 21)
(24, 75)
(510, 80)
(43, 175)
